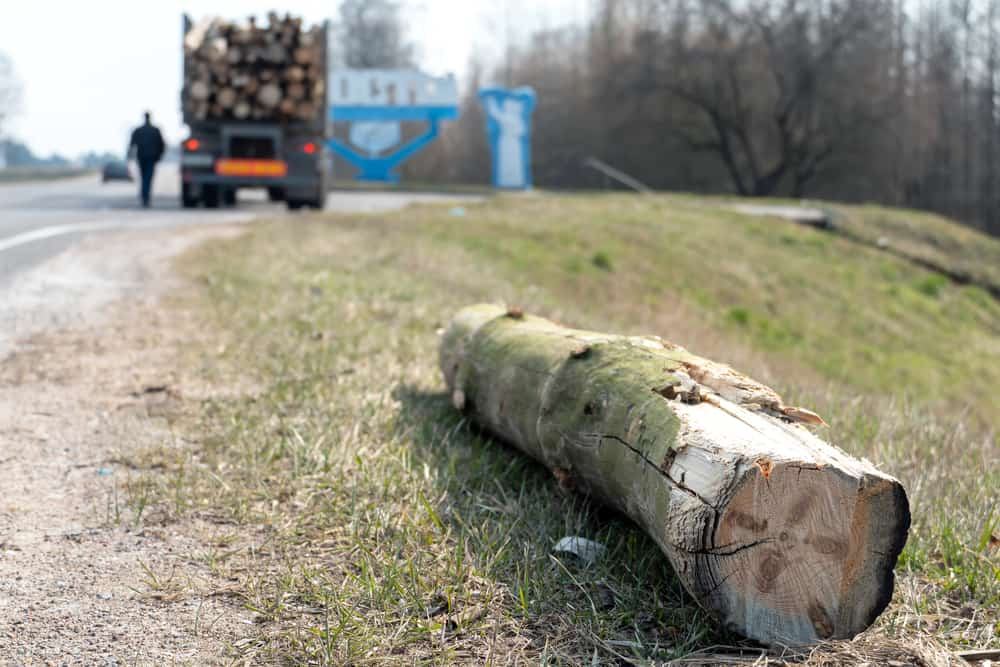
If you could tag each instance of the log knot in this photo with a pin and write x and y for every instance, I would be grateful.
(685, 389)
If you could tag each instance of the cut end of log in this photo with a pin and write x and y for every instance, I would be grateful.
(804, 553)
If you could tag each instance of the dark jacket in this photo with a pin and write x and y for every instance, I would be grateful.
(148, 143)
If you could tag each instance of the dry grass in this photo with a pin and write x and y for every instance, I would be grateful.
(22, 174)
(371, 525)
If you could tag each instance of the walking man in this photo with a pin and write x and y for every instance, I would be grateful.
(147, 146)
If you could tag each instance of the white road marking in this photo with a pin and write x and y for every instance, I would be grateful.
(50, 231)
(54, 230)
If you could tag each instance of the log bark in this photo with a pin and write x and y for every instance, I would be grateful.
(786, 539)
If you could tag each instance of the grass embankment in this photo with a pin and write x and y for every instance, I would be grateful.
(371, 524)
(963, 253)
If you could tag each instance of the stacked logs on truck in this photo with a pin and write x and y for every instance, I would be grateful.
(254, 72)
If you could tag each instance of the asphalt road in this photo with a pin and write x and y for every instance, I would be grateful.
(38, 220)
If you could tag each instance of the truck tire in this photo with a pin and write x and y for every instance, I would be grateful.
(188, 200)
(276, 194)
(211, 196)
(293, 204)
(319, 201)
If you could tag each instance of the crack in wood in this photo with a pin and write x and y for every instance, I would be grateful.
(655, 467)
(716, 551)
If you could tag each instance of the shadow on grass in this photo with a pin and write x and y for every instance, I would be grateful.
(510, 511)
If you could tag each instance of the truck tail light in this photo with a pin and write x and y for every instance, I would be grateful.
(309, 148)
(192, 144)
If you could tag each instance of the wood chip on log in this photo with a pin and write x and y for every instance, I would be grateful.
(304, 56)
(213, 49)
(242, 36)
(226, 98)
(199, 90)
(786, 539)
(242, 110)
(220, 71)
(276, 54)
(305, 110)
(196, 35)
(269, 96)
(199, 110)
(240, 80)
(295, 91)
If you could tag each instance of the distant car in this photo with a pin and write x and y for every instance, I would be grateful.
(115, 171)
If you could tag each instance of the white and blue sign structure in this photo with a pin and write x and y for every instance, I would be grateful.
(375, 103)
(508, 125)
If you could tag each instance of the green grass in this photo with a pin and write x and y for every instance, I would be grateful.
(928, 238)
(368, 523)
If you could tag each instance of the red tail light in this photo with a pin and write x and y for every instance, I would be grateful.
(309, 148)
(192, 144)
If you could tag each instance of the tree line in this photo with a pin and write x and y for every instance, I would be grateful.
(888, 101)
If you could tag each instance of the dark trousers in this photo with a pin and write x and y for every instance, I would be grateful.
(146, 180)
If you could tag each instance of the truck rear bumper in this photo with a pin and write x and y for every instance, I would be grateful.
(202, 178)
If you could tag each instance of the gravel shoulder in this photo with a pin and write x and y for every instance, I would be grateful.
(88, 378)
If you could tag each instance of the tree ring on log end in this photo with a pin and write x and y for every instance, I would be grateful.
(803, 553)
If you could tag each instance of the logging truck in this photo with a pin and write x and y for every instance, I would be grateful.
(253, 98)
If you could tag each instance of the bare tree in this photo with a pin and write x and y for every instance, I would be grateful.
(988, 200)
(768, 79)
(373, 34)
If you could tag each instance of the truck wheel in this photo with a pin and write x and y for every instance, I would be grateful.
(188, 200)
(275, 194)
(319, 202)
(210, 195)
(293, 204)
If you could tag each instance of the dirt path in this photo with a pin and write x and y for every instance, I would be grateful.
(82, 581)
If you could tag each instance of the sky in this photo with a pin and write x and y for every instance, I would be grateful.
(89, 69)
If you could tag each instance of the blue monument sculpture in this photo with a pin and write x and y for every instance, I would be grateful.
(375, 103)
(508, 125)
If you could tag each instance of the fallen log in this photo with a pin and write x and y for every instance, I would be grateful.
(785, 538)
